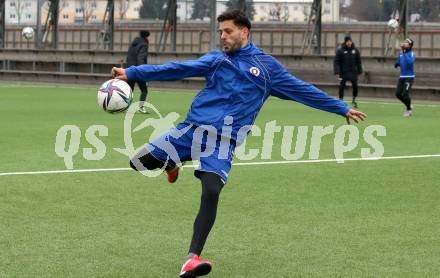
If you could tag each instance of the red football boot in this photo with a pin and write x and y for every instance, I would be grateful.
(173, 174)
(195, 267)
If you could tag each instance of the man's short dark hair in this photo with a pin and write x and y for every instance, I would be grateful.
(410, 42)
(144, 34)
(240, 19)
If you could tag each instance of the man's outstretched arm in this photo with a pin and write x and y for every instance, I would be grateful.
(169, 71)
(286, 86)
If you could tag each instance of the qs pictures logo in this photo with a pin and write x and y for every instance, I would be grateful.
(68, 138)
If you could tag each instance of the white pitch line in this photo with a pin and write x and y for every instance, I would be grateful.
(336, 160)
(63, 171)
(235, 164)
(6, 85)
(398, 103)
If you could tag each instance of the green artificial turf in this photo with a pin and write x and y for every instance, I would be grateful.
(355, 219)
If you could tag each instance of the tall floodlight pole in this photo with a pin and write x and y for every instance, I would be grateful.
(2, 24)
(318, 29)
(403, 22)
(105, 39)
(312, 35)
(397, 35)
(174, 31)
(169, 25)
(213, 35)
(50, 32)
(38, 35)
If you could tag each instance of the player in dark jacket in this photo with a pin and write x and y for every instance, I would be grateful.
(136, 56)
(347, 66)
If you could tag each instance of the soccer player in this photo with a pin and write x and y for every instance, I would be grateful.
(347, 66)
(138, 55)
(406, 61)
(239, 80)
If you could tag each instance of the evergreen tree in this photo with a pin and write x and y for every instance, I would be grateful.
(366, 10)
(249, 7)
(429, 10)
(382, 10)
(200, 9)
(153, 9)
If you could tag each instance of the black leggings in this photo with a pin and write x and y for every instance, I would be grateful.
(354, 84)
(143, 87)
(143, 160)
(212, 185)
(403, 91)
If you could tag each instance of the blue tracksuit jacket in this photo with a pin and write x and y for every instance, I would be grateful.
(406, 61)
(238, 84)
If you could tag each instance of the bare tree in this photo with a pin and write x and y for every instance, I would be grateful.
(275, 12)
(19, 8)
(286, 13)
(306, 12)
(88, 7)
(61, 6)
(122, 7)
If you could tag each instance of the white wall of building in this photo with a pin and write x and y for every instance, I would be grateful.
(293, 11)
(20, 11)
(275, 10)
(71, 11)
(330, 10)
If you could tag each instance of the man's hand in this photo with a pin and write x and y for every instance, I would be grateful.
(119, 73)
(355, 116)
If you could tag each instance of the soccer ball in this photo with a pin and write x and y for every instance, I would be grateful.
(115, 96)
(393, 23)
(27, 33)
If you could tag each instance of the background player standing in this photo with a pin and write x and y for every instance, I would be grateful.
(347, 66)
(138, 55)
(406, 61)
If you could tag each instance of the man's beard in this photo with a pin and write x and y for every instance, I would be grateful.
(234, 47)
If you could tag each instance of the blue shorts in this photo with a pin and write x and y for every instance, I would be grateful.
(188, 142)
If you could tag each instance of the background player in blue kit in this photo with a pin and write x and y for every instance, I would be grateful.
(406, 61)
(238, 81)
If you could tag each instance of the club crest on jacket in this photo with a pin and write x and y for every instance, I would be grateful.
(255, 71)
